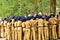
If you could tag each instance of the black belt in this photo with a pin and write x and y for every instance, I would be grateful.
(18, 26)
(45, 26)
(40, 26)
(53, 24)
(33, 26)
(23, 27)
(28, 27)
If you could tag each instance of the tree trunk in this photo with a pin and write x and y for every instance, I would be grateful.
(53, 6)
(35, 6)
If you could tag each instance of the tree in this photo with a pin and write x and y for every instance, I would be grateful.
(53, 6)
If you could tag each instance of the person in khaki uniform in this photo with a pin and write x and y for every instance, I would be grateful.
(8, 30)
(12, 28)
(27, 34)
(53, 22)
(46, 31)
(2, 30)
(59, 25)
(5, 26)
(15, 31)
(40, 28)
(23, 26)
(19, 26)
(33, 28)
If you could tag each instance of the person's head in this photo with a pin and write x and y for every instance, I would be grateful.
(38, 16)
(44, 17)
(52, 15)
(32, 17)
(28, 18)
(5, 19)
(47, 18)
(24, 19)
(18, 18)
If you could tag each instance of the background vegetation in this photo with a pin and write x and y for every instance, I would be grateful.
(24, 7)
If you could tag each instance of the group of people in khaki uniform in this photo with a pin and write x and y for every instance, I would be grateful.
(31, 28)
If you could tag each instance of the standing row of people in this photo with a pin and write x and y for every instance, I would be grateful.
(31, 28)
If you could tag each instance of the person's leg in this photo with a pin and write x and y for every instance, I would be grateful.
(50, 32)
(46, 33)
(8, 34)
(42, 33)
(12, 33)
(39, 34)
(19, 33)
(59, 31)
(15, 38)
(54, 33)
(28, 34)
(34, 33)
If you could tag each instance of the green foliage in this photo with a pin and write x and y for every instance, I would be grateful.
(24, 7)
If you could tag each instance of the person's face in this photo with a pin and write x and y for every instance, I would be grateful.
(33, 18)
(37, 18)
(51, 16)
(44, 17)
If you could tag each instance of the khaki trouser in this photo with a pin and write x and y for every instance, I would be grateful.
(19, 33)
(2, 32)
(53, 33)
(23, 33)
(34, 33)
(5, 32)
(16, 34)
(59, 30)
(12, 33)
(8, 34)
(46, 33)
(27, 34)
(40, 33)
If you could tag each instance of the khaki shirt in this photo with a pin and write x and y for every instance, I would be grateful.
(12, 21)
(40, 22)
(19, 23)
(46, 23)
(33, 22)
(53, 21)
(5, 23)
(23, 24)
(15, 24)
(2, 24)
(27, 24)
(8, 25)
